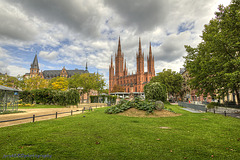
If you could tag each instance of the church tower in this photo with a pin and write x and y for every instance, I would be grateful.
(140, 68)
(34, 70)
(140, 59)
(119, 61)
(130, 82)
(150, 62)
(111, 75)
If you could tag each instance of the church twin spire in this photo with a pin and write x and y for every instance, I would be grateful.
(119, 58)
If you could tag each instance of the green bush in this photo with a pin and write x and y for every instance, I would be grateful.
(212, 105)
(155, 91)
(137, 103)
(49, 96)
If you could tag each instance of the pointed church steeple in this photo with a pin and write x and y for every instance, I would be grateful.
(140, 47)
(35, 65)
(150, 61)
(111, 61)
(34, 70)
(119, 47)
(150, 50)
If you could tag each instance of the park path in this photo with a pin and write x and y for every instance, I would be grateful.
(37, 112)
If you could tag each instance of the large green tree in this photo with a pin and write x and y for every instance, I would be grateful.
(86, 82)
(59, 83)
(171, 79)
(214, 64)
(35, 82)
(8, 81)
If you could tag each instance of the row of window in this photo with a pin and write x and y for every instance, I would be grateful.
(123, 82)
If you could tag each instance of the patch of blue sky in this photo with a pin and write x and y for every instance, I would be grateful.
(56, 48)
(185, 26)
(156, 44)
(107, 31)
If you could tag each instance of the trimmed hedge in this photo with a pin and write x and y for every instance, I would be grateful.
(49, 96)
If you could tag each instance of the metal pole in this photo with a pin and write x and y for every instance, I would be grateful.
(214, 110)
(56, 115)
(225, 113)
(206, 110)
(71, 112)
(5, 101)
(34, 118)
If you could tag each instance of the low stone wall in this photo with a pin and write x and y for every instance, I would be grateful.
(193, 106)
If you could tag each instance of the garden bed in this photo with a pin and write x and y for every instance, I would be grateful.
(133, 112)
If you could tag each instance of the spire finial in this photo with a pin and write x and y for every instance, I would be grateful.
(150, 50)
(140, 48)
(119, 46)
(111, 61)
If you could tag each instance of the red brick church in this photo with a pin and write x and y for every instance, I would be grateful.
(131, 82)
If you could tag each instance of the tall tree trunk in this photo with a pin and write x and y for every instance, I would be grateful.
(87, 97)
(82, 97)
(238, 96)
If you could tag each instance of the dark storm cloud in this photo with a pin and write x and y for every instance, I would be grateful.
(144, 15)
(80, 16)
(15, 25)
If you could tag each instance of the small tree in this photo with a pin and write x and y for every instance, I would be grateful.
(155, 91)
(171, 79)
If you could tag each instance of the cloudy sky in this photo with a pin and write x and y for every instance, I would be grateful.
(70, 32)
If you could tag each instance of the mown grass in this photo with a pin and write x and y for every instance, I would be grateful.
(107, 136)
(40, 106)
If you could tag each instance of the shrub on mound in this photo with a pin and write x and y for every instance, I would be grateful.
(136, 103)
(155, 91)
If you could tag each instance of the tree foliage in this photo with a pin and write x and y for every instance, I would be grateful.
(214, 64)
(155, 91)
(171, 79)
(8, 81)
(59, 83)
(34, 83)
(87, 82)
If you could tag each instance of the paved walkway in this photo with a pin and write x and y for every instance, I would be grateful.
(233, 112)
(37, 112)
(192, 110)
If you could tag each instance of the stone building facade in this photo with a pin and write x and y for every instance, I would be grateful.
(189, 94)
(49, 74)
(131, 82)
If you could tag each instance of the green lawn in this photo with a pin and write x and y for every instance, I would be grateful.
(41, 106)
(105, 136)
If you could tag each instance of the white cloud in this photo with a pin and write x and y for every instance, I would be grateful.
(14, 24)
(71, 32)
(16, 70)
(49, 56)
